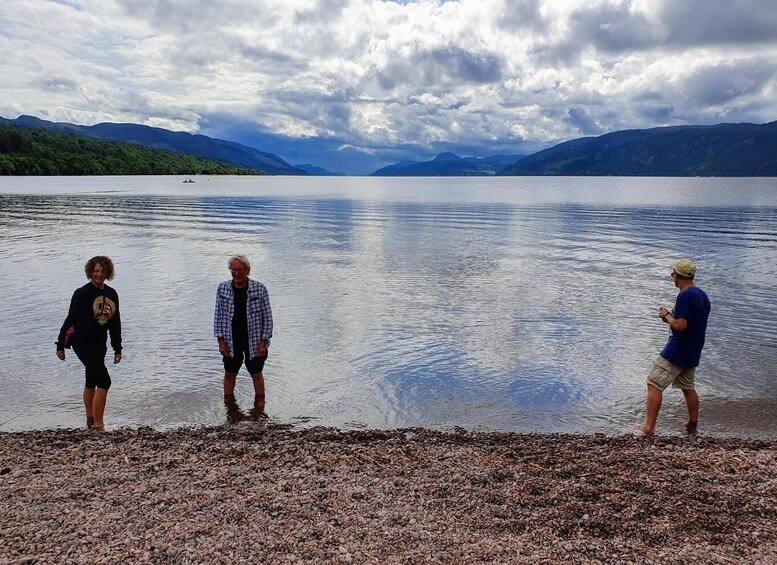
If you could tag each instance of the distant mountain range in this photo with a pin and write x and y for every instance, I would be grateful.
(176, 141)
(719, 150)
(725, 150)
(317, 171)
(449, 165)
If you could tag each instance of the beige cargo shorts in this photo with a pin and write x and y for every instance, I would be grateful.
(663, 373)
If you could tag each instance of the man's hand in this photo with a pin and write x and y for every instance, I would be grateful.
(117, 358)
(61, 354)
(224, 348)
(261, 350)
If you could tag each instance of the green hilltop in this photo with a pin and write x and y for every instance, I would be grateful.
(44, 152)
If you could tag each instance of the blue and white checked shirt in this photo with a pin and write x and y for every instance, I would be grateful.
(258, 313)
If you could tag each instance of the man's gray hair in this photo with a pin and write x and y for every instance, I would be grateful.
(242, 259)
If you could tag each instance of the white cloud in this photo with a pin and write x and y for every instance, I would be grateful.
(370, 73)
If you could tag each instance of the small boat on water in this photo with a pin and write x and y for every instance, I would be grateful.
(188, 181)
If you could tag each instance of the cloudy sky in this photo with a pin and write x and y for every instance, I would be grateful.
(352, 85)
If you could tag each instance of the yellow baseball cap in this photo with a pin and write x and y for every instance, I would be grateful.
(685, 268)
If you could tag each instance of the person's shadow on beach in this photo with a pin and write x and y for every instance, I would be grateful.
(235, 415)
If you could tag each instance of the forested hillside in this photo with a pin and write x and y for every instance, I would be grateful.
(181, 142)
(43, 152)
(724, 150)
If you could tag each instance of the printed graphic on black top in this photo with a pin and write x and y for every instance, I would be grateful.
(104, 308)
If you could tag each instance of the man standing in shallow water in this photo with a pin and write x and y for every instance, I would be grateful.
(242, 323)
(676, 365)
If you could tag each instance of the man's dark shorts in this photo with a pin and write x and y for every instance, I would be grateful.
(253, 365)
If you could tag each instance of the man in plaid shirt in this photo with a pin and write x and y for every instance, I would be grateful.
(242, 323)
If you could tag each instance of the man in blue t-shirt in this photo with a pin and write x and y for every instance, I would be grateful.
(676, 365)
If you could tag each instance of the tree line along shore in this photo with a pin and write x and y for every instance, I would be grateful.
(44, 152)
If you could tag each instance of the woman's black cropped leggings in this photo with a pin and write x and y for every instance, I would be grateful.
(93, 358)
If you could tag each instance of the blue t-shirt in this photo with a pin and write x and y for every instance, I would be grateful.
(684, 348)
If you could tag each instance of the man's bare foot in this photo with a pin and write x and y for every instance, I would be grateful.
(647, 431)
(257, 412)
(234, 414)
(690, 427)
(89, 422)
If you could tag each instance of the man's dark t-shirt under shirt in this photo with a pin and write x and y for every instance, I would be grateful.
(240, 318)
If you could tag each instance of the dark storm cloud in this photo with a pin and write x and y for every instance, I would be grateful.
(58, 84)
(175, 16)
(187, 16)
(612, 29)
(457, 105)
(329, 115)
(602, 28)
(262, 54)
(133, 102)
(709, 22)
(443, 65)
(580, 119)
(469, 67)
(321, 11)
(523, 15)
(656, 114)
(724, 84)
(621, 28)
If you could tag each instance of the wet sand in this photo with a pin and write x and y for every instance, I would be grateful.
(250, 493)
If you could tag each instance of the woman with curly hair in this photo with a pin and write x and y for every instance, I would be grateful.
(94, 311)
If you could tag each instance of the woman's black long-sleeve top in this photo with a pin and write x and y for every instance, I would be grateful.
(93, 312)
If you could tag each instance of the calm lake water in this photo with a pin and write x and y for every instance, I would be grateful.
(523, 304)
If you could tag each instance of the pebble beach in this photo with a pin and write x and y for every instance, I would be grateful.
(265, 493)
